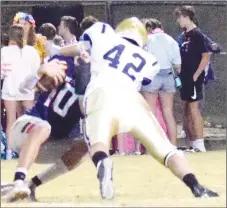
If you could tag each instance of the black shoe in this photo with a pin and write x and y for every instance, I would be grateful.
(32, 196)
(197, 150)
(200, 191)
(182, 148)
(186, 149)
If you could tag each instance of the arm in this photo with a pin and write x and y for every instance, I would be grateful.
(72, 50)
(204, 62)
(82, 75)
(176, 61)
(211, 45)
(205, 56)
(177, 68)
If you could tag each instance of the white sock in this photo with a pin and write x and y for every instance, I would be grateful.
(9, 154)
(22, 170)
(20, 174)
(199, 144)
(54, 171)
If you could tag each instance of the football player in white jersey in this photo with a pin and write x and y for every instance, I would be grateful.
(119, 66)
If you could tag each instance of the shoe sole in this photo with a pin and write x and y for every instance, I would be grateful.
(106, 187)
(5, 189)
(20, 195)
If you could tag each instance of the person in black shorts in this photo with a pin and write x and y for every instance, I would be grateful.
(195, 58)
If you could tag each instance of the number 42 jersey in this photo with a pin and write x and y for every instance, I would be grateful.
(114, 60)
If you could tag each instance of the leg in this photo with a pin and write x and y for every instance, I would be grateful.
(196, 126)
(151, 98)
(187, 121)
(69, 161)
(19, 109)
(28, 134)
(27, 104)
(167, 108)
(99, 137)
(11, 112)
(157, 144)
(137, 152)
(99, 127)
(30, 149)
(121, 144)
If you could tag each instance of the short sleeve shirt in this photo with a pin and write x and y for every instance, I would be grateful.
(192, 48)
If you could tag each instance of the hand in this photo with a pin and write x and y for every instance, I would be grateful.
(195, 77)
(178, 71)
(54, 69)
(84, 55)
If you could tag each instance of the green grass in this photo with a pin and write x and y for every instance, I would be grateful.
(139, 181)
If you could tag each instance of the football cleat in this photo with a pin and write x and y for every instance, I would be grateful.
(200, 191)
(19, 191)
(32, 196)
(105, 171)
(6, 188)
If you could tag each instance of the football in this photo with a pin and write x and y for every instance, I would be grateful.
(45, 83)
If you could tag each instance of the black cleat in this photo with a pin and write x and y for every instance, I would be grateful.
(32, 196)
(201, 192)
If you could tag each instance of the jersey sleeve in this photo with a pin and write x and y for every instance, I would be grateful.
(94, 34)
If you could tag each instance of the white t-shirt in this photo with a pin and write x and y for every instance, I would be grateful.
(115, 61)
(52, 49)
(24, 62)
(164, 48)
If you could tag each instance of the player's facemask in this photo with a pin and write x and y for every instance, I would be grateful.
(132, 28)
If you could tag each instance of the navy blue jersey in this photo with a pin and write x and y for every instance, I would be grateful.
(60, 107)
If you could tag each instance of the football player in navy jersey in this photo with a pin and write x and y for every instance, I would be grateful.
(55, 114)
(58, 109)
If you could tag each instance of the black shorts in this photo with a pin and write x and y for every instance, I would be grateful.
(191, 91)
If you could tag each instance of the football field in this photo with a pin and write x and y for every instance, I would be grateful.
(139, 182)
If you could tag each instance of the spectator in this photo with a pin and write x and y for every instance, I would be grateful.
(57, 40)
(87, 22)
(30, 37)
(147, 24)
(159, 113)
(49, 31)
(4, 40)
(167, 52)
(67, 29)
(21, 61)
(209, 72)
(195, 58)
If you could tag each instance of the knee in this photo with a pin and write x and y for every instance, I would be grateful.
(194, 110)
(171, 155)
(74, 156)
(42, 132)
